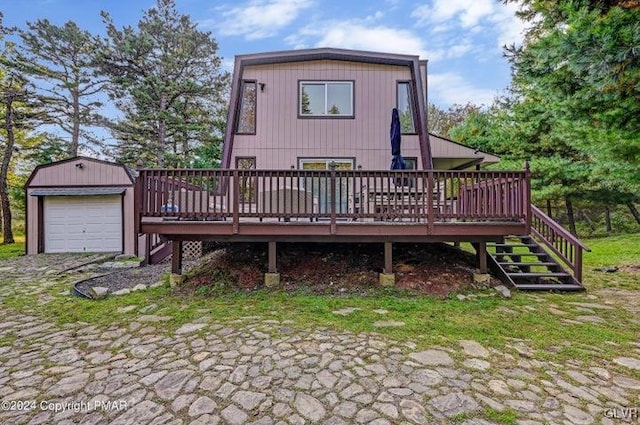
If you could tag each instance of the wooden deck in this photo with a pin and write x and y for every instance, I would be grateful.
(332, 204)
(357, 206)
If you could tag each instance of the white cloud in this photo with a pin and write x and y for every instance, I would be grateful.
(511, 28)
(258, 18)
(478, 16)
(449, 88)
(469, 13)
(350, 35)
(362, 34)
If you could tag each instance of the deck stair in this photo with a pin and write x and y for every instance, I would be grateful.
(524, 264)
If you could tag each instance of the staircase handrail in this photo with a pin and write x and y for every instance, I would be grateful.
(564, 244)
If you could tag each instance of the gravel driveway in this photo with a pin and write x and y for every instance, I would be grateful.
(261, 371)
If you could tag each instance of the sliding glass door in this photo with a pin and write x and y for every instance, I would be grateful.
(321, 186)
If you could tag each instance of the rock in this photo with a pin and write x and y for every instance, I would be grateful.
(326, 378)
(482, 279)
(474, 349)
(346, 409)
(625, 382)
(412, 411)
(248, 400)
(461, 297)
(309, 407)
(607, 269)
(169, 386)
(140, 413)
(432, 358)
(388, 324)
(503, 290)
(233, 415)
(427, 377)
(139, 287)
(454, 404)
(70, 385)
(386, 409)
(124, 291)
(477, 364)
(189, 328)
(98, 292)
(176, 280)
(577, 416)
(201, 406)
(380, 311)
(127, 309)
(346, 311)
(630, 362)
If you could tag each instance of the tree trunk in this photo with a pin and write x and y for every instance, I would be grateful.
(75, 132)
(634, 211)
(570, 216)
(589, 222)
(7, 231)
(549, 208)
(607, 220)
(162, 132)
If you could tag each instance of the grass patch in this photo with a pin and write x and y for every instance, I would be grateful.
(12, 250)
(506, 416)
(613, 251)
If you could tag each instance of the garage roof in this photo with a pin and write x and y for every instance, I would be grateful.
(78, 191)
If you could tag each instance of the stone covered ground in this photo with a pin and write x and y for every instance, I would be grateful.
(263, 372)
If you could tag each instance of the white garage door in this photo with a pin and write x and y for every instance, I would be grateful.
(83, 223)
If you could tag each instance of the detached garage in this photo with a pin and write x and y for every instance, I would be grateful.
(80, 205)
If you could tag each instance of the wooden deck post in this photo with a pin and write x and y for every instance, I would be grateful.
(176, 257)
(272, 277)
(481, 252)
(388, 257)
(387, 278)
(272, 258)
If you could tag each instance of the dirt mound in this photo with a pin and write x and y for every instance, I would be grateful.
(435, 269)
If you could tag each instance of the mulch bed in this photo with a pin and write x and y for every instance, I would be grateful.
(434, 269)
(126, 278)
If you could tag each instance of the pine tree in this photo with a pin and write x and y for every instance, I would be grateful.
(166, 79)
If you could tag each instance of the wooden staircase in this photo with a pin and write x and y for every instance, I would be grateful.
(549, 259)
(524, 264)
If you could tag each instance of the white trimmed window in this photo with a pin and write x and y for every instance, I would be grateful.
(326, 99)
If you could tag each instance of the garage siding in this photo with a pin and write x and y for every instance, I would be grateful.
(79, 172)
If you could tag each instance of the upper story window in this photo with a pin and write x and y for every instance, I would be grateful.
(405, 108)
(246, 123)
(326, 99)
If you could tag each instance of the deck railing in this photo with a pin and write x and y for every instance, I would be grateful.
(332, 195)
(562, 243)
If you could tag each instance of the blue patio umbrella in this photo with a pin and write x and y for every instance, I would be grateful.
(397, 162)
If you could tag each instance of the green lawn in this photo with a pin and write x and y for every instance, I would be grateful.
(488, 319)
(12, 250)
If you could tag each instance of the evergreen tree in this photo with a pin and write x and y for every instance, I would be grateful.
(166, 79)
(60, 62)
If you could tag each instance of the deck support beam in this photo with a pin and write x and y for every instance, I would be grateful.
(272, 258)
(272, 277)
(387, 278)
(388, 257)
(481, 255)
(176, 257)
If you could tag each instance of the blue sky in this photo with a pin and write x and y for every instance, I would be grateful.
(462, 39)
